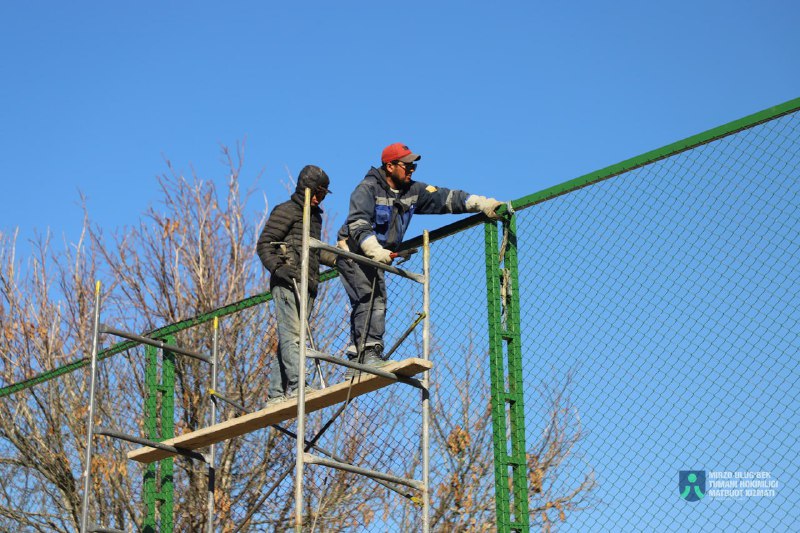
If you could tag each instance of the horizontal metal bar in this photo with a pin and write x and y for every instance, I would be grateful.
(317, 460)
(157, 333)
(155, 342)
(315, 243)
(152, 444)
(365, 368)
(311, 446)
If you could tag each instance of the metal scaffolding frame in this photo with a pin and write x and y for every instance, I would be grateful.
(302, 455)
(304, 446)
(91, 431)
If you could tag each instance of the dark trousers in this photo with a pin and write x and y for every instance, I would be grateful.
(358, 280)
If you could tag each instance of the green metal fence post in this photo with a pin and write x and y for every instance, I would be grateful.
(149, 487)
(502, 291)
(158, 477)
(167, 389)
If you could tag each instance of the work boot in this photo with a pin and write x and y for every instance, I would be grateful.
(373, 356)
(352, 355)
(293, 393)
(276, 400)
(350, 373)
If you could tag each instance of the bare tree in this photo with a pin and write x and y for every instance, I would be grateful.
(42, 430)
(464, 497)
(555, 491)
(189, 255)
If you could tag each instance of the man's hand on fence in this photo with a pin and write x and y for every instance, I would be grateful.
(486, 205)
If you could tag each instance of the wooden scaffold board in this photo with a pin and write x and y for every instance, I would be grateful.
(281, 412)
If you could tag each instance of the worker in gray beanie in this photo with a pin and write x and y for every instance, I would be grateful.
(279, 248)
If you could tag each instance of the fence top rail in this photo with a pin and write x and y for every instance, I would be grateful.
(159, 333)
(622, 167)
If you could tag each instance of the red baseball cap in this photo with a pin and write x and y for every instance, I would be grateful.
(398, 152)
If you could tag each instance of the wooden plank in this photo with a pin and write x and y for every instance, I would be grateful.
(274, 414)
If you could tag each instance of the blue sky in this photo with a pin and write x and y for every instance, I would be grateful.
(503, 99)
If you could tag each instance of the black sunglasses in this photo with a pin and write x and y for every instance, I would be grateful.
(410, 167)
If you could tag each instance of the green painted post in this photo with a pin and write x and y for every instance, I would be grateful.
(149, 487)
(506, 387)
(158, 477)
(515, 382)
(166, 494)
(497, 376)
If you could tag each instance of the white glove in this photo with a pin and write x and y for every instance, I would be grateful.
(489, 206)
(375, 251)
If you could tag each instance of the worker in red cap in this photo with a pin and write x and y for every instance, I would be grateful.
(380, 211)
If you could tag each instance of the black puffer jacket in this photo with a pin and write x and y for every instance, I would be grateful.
(285, 224)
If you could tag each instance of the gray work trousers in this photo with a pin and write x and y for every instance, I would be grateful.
(357, 280)
(285, 371)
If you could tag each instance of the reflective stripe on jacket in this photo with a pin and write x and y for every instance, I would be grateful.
(375, 209)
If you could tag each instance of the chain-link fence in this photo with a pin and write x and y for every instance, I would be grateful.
(659, 319)
(659, 325)
(669, 296)
(381, 431)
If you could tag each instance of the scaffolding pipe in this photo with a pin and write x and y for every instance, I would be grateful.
(419, 278)
(212, 472)
(155, 342)
(191, 454)
(90, 423)
(426, 407)
(238, 406)
(301, 444)
(317, 460)
(404, 336)
(301, 382)
(311, 446)
(368, 369)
